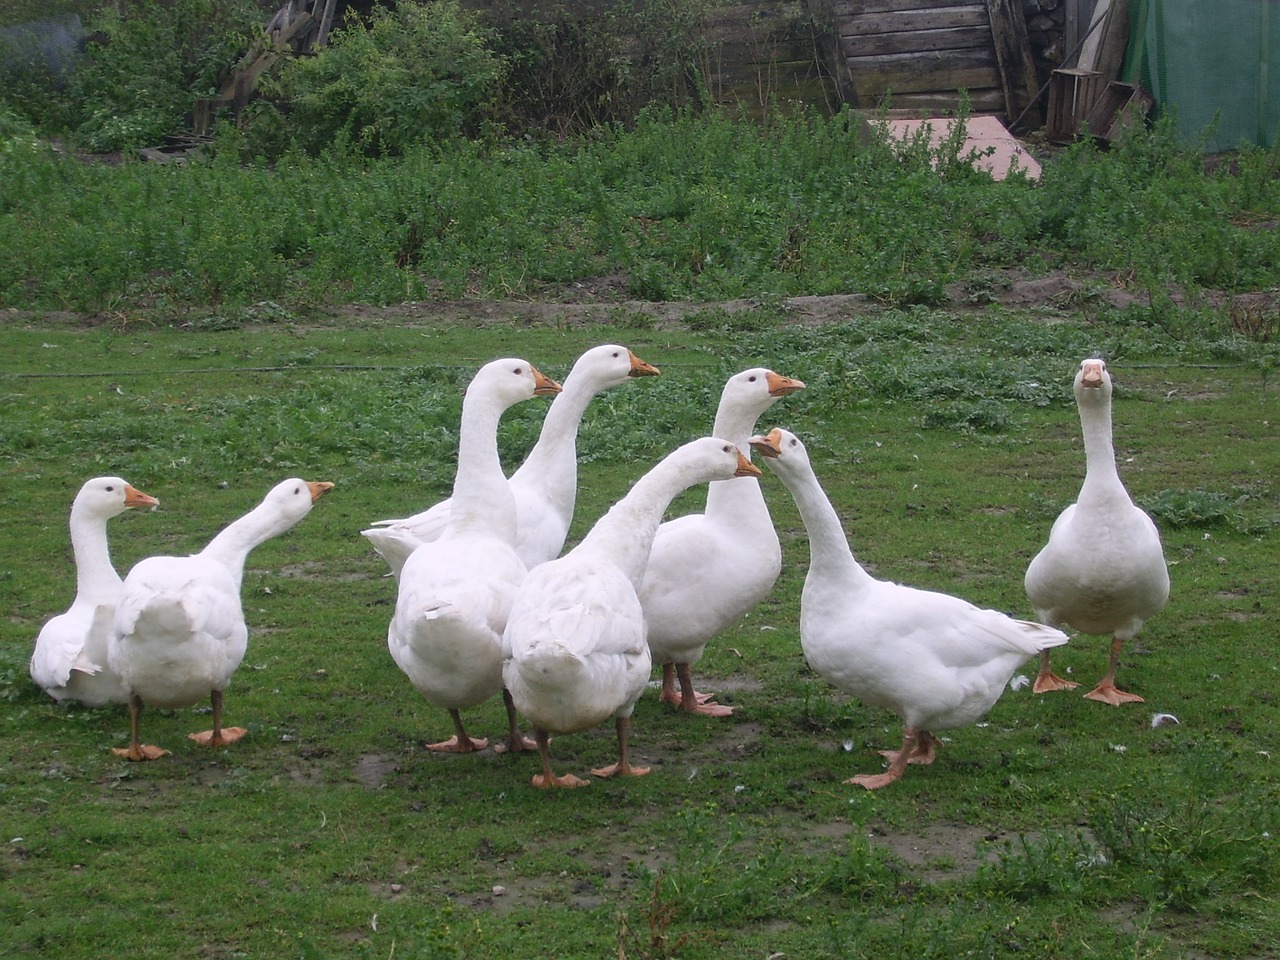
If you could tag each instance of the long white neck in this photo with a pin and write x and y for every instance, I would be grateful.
(1101, 479)
(829, 555)
(624, 535)
(552, 463)
(482, 500)
(740, 496)
(232, 546)
(95, 577)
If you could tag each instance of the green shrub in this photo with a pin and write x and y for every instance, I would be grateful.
(139, 84)
(420, 73)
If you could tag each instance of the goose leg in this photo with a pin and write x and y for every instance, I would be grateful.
(700, 703)
(925, 752)
(516, 741)
(219, 736)
(623, 767)
(459, 742)
(546, 780)
(1106, 690)
(136, 749)
(897, 763)
(669, 692)
(1048, 680)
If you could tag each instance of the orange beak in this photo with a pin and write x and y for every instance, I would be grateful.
(769, 445)
(544, 385)
(318, 488)
(134, 497)
(639, 368)
(746, 468)
(780, 386)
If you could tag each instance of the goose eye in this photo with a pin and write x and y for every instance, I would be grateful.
(751, 379)
(111, 488)
(519, 371)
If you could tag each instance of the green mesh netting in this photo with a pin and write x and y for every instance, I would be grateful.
(1208, 63)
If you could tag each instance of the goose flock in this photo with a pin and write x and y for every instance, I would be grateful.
(488, 602)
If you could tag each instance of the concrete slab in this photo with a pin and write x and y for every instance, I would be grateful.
(981, 134)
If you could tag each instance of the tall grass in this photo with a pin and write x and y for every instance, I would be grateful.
(700, 207)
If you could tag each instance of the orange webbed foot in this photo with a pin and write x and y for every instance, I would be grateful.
(874, 781)
(705, 707)
(218, 738)
(567, 781)
(455, 745)
(515, 745)
(1047, 682)
(143, 752)
(621, 770)
(1110, 693)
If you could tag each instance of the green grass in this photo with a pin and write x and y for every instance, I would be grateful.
(699, 207)
(948, 442)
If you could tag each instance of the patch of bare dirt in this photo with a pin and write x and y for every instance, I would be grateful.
(603, 300)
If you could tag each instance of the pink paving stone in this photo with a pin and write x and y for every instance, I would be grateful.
(982, 133)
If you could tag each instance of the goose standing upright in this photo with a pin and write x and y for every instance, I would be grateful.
(936, 661)
(545, 485)
(708, 570)
(179, 625)
(575, 648)
(70, 656)
(455, 591)
(1103, 569)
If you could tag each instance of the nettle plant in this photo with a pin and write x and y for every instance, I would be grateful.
(421, 73)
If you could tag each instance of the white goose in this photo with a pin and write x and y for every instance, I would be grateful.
(179, 625)
(1103, 569)
(545, 485)
(575, 641)
(70, 656)
(455, 591)
(935, 660)
(708, 570)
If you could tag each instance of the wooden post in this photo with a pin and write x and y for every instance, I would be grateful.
(326, 22)
(823, 14)
(1013, 54)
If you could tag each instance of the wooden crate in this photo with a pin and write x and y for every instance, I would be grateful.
(1120, 107)
(1072, 94)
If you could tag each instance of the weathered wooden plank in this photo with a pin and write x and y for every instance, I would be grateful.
(796, 88)
(1013, 53)
(739, 72)
(944, 60)
(916, 41)
(946, 101)
(971, 15)
(905, 82)
(859, 8)
(778, 53)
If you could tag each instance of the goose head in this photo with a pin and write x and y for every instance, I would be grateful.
(607, 366)
(715, 459)
(753, 391)
(108, 497)
(510, 380)
(292, 499)
(1093, 382)
(780, 448)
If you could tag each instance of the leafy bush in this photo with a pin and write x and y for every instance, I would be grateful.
(139, 82)
(564, 76)
(419, 74)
